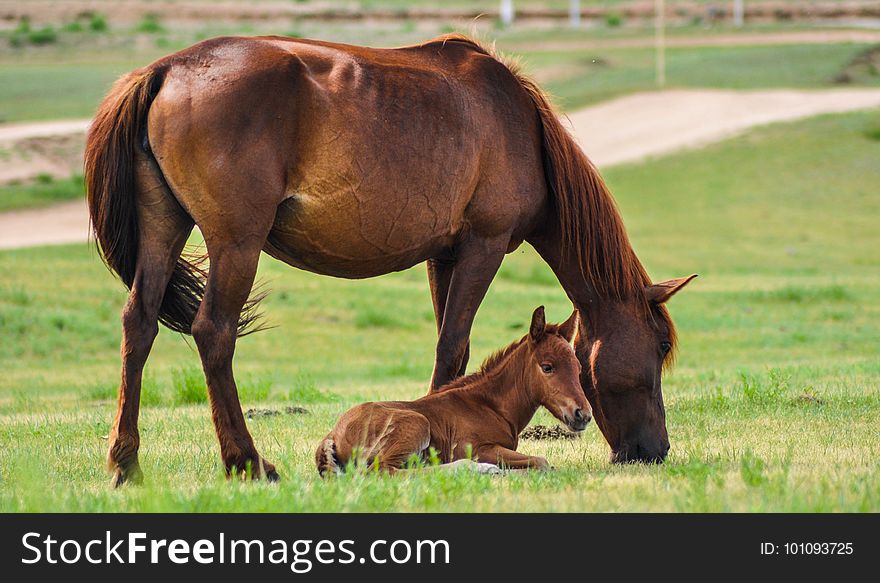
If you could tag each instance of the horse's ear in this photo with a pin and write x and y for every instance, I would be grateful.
(569, 328)
(539, 325)
(659, 293)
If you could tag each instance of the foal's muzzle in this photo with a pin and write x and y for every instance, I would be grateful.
(579, 420)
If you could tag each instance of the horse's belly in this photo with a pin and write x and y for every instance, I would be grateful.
(336, 235)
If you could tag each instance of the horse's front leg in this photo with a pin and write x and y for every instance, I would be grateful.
(476, 263)
(510, 459)
(439, 277)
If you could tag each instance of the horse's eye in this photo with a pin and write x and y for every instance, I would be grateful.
(665, 347)
(547, 368)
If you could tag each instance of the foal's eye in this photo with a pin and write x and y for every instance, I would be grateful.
(547, 368)
(665, 347)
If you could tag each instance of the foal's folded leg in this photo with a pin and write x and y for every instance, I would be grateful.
(404, 434)
(510, 459)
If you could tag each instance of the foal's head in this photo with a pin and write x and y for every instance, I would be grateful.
(553, 371)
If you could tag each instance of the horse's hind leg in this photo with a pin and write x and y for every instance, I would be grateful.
(234, 251)
(407, 434)
(163, 233)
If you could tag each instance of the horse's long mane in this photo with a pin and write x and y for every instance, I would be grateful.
(589, 220)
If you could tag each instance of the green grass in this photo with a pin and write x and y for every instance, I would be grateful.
(42, 192)
(773, 404)
(82, 66)
(581, 77)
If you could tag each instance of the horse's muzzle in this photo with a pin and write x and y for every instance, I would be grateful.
(638, 453)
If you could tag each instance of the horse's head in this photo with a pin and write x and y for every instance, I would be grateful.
(626, 348)
(553, 371)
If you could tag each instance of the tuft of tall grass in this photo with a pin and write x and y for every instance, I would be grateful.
(189, 386)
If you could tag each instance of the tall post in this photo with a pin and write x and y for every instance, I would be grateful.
(574, 13)
(738, 10)
(506, 12)
(660, 41)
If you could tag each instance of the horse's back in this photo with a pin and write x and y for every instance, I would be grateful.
(381, 157)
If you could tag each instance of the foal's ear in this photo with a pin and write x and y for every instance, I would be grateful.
(660, 292)
(569, 328)
(539, 325)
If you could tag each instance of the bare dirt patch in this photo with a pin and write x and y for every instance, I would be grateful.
(28, 150)
(261, 412)
(543, 432)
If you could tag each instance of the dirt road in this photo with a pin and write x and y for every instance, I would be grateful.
(623, 130)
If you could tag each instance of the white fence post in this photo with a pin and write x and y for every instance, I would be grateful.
(738, 10)
(506, 12)
(660, 41)
(574, 13)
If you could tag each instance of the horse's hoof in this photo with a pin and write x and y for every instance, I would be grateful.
(485, 468)
(253, 470)
(131, 474)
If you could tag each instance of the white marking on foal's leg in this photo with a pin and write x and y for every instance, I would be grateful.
(471, 466)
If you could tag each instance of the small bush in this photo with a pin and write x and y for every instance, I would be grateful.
(613, 19)
(150, 24)
(189, 386)
(42, 36)
(97, 23)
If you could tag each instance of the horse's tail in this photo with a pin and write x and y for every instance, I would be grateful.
(589, 222)
(325, 458)
(115, 136)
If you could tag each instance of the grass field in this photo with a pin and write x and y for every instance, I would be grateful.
(773, 405)
(68, 78)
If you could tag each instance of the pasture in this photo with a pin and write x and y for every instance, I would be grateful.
(773, 404)
(82, 65)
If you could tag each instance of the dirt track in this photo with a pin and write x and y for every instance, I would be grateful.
(623, 130)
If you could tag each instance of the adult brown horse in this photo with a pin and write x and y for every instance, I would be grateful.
(355, 162)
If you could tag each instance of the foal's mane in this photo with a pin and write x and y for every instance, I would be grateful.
(589, 220)
(493, 362)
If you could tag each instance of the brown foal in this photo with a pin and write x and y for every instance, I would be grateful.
(479, 416)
